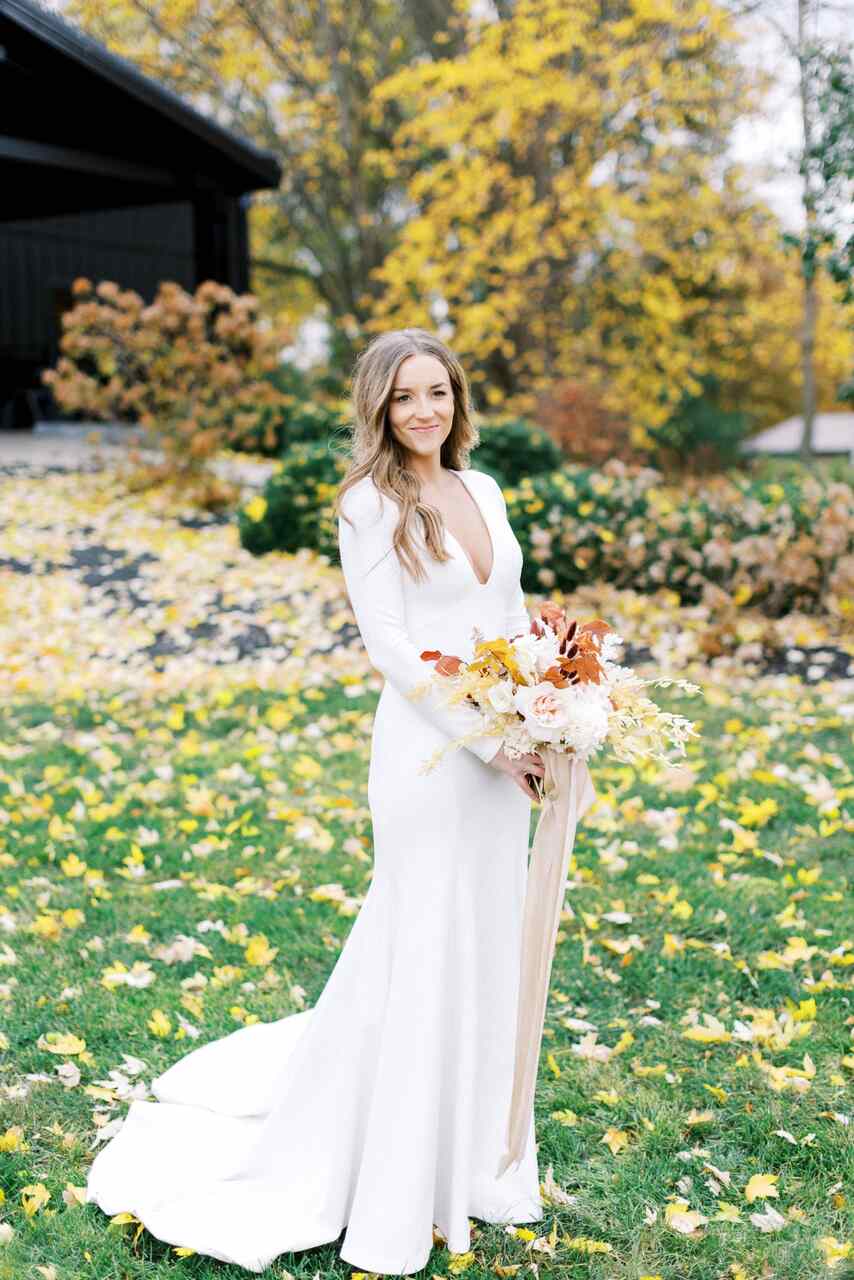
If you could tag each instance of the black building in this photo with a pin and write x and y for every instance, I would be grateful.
(104, 173)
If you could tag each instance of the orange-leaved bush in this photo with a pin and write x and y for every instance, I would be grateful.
(189, 368)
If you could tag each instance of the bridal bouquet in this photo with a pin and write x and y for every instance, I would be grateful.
(558, 686)
(559, 691)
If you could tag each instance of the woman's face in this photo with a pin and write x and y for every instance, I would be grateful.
(421, 407)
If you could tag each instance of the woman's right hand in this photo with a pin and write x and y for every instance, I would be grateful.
(532, 762)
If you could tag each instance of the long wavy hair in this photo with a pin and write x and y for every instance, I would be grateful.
(375, 452)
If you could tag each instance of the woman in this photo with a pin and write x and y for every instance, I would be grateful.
(382, 1110)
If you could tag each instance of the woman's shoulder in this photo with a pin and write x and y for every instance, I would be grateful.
(483, 477)
(486, 482)
(364, 500)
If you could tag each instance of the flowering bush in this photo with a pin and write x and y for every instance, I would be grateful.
(191, 368)
(723, 541)
(781, 546)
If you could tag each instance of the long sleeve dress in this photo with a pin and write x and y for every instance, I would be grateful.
(382, 1110)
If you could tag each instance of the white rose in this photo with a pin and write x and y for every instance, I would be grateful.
(578, 715)
(546, 710)
(535, 654)
(501, 696)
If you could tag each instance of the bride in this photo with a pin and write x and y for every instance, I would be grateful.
(382, 1111)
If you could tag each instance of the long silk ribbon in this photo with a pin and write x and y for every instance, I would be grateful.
(567, 795)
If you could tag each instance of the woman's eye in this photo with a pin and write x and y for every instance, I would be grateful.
(400, 399)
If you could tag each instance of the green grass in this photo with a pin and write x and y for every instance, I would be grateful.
(251, 801)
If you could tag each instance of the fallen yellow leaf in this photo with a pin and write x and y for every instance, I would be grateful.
(616, 1140)
(158, 1024)
(834, 1251)
(460, 1262)
(60, 1042)
(34, 1197)
(760, 1187)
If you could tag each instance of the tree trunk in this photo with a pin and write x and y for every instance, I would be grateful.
(809, 251)
(808, 364)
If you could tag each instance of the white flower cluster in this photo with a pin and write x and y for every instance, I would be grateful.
(575, 716)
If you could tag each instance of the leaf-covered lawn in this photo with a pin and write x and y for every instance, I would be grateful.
(185, 839)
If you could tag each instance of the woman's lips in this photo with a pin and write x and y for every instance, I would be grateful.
(434, 427)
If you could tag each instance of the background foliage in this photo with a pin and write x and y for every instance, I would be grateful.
(548, 183)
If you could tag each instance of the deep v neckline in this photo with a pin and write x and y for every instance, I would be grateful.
(486, 524)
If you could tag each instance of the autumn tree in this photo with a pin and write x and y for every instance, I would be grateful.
(579, 218)
(544, 183)
(297, 78)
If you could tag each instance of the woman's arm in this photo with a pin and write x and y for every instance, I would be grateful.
(374, 579)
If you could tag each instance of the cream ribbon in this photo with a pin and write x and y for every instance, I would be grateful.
(567, 795)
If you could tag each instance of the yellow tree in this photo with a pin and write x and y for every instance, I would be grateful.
(577, 219)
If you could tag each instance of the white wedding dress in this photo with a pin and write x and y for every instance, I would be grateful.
(382, 1110)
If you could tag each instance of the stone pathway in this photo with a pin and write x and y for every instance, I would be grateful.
(95, 446)
(27, 449)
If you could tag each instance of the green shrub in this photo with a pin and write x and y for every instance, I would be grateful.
(295, 508)
(513, 447)
(699, 434)
(299, 419)
(293, 511)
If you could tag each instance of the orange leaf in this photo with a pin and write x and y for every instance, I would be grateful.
(596, 626)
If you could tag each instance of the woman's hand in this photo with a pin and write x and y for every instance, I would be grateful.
(517, 769)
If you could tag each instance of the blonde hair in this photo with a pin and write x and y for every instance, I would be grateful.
(376, 453)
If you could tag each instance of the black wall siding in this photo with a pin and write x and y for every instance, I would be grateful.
(41, 257)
